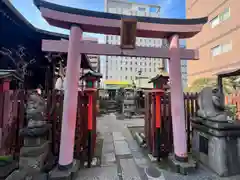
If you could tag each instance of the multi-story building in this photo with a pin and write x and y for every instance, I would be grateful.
(184, 63)
(219, 40)
(130, 68)
(95, 62)
(94, 59)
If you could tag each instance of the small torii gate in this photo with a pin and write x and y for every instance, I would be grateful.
(129, 27)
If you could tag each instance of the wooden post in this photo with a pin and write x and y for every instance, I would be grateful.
(90, 127)
(158, 124)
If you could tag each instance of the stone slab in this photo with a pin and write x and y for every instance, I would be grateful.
(34, 141)
(183, 167)
(27, 151)
(129, 169)
(27, 174)
(141, 162)
(108, 147)
(108, 159)
(99, 173)
(70, 174)
(7, 169)
(118, 136)
(17, 175)
(36, 163)
(121, 148)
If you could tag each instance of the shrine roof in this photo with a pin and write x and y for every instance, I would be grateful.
(157, 77)
(36, 33)
(9, 74)
(31, 30)
(110, 23)
(229, 73)
(91, 74)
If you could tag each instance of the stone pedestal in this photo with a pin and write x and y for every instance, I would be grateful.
(34, 155)
(217, 145)
(66, 174)
(7, 167)
(184, 168)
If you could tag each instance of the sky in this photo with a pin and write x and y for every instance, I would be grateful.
(169, 9)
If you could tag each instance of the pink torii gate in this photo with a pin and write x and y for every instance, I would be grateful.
(79, 21)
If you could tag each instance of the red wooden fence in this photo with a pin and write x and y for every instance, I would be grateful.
(55, 107)
(11, 120)
(190, 102)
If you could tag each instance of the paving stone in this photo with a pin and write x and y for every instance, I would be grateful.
(108, 159)
(121, 148)
(118, 136)
(108, 138)
(141, 162)
(98, 173)
(129, 170)
(108, 148)
(133, 145)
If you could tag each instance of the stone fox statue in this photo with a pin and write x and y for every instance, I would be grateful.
(211, 105)
(35, 109)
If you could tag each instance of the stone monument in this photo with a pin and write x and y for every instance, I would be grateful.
(216, 137)
(35, 155)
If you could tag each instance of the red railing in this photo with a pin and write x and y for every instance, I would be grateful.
(191, 107)
(11, 121)
(54, 114)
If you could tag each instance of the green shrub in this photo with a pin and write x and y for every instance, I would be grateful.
(232, 111)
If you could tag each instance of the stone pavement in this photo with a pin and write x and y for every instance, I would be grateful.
(119, 155)
(122, 158)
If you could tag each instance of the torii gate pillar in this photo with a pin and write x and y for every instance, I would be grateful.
(70, 100)
(177, 101)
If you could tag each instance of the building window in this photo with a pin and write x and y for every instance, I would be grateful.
(153, 9)
(222, 48)
(126, 77)
(130, 68)
(225, 15)
(216, 50)
(220, 18)
(141, 9)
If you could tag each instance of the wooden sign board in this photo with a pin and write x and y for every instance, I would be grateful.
(128, 33)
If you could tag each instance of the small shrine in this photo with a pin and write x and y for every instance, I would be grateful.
(91, 78)
(160, 81)
(9, 79)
